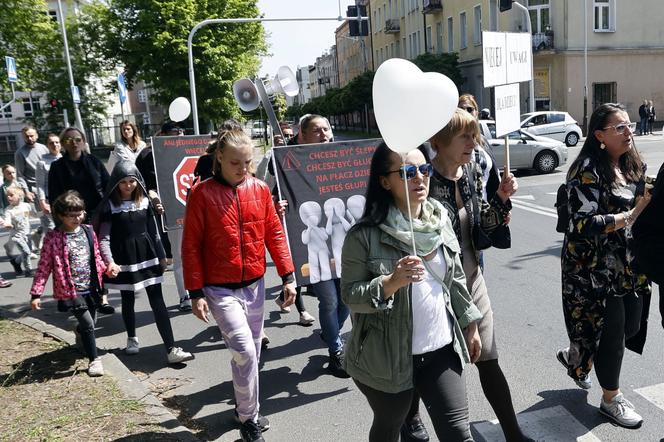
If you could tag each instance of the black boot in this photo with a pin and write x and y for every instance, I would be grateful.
(17, 266)
(336, 365)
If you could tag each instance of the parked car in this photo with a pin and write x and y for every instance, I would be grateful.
(258, 130)
(527, 151)
(557, 125)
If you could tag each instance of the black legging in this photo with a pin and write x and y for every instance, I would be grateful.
(86, 314)
(438, 379)
(622, 320)
(299, 303)
(158, 309)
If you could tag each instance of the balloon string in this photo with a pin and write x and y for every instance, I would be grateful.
(410, 215)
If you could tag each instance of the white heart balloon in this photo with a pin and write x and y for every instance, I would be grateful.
(179, 109)
(411, 106)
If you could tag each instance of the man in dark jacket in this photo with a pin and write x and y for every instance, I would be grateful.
(643, 116)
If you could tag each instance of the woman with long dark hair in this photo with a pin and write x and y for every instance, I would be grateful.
(603, 297)
(414, 324)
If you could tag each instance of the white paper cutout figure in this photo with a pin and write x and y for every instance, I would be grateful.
(315, 239)
(336, 227)
(355, 208)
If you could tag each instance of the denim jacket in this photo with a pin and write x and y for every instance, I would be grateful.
(379, 351)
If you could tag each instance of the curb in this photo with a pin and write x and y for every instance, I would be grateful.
(126, 381)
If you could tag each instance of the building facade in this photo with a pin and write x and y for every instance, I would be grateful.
(354, 55)
(325, 74)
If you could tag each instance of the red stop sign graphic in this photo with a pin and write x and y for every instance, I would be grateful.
(183, 178)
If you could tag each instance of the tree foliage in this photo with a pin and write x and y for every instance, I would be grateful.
(447, 64)
(149, 39)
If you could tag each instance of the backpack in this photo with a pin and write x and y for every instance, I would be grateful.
(561, 207)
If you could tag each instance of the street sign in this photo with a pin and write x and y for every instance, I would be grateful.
(75, 95)
(519, 57)
(183, 178)
(508, 109)
(122, 88)
(11, 69)
(494, 58)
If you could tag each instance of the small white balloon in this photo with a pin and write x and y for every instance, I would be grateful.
(179, 109)
(411, 106)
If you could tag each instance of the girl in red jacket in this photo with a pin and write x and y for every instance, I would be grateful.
(71, 253)
(229, 221)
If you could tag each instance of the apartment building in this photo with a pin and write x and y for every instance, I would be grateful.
(325, 73)
(353, 54)
(624, 46)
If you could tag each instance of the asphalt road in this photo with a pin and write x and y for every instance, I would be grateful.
(304, 402)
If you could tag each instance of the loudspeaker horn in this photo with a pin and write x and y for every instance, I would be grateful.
(284, 82)
(246, 95)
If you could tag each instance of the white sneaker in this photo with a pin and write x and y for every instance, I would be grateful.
(95, 368)
(177, 355)
(621, 411)
(306, 318)
(132, 346)
(280, 303)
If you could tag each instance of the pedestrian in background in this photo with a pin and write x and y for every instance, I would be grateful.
(17, 218)
(652, 116)
(27, 156)
(128, 148)
(603, 297)
(41, 176)
(230, 219)
(477, 223)
(643, 118)
(414, 324)
(71, 254)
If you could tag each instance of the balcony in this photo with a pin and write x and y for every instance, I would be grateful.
(543, 41)
(432, 6)
(392, 26)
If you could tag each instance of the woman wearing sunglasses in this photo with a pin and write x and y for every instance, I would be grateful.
(603, 297)
(413, 320)
(457, 186)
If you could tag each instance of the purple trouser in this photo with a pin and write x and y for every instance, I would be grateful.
(239, 315)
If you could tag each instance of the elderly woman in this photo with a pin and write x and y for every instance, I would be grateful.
(603, 297)
(457, 186)
(413, 320)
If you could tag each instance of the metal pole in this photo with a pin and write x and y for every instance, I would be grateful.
(11, 83)
(190, 49)
(77, 112)
(531, 92)
(585, 67)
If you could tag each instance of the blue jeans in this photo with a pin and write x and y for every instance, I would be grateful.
(332, 313)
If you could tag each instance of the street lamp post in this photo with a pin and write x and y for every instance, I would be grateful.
(585, 67)
(77, 112)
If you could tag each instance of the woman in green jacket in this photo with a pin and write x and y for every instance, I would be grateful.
(413, 320)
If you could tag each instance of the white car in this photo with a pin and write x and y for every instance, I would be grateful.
(258, 130)
(526, 151)
(553, 124)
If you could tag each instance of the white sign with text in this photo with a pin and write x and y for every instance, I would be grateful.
(494, 58)
(507, 109)
(519, 57)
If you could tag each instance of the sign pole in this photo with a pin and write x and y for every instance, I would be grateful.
(506, 171)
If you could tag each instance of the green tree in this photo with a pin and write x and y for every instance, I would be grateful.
(447, 64)
(149, 39)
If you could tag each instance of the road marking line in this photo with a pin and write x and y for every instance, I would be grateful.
(523, 197)
(546, 211)
(549, 424)
(654, 393)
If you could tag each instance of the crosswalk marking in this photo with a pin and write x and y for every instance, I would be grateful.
(530, 207)
(654, 393)
(523, 197)
(553, 424)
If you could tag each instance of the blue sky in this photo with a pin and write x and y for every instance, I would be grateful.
(299, 43)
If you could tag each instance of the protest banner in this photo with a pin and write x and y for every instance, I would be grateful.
(324, 185)
(175, 159)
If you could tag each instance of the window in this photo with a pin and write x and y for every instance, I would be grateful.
(391, 50)
(7, 112)
(379, 25)
(604, 11)
(418, 43)
(462, 31)
(493, 15)
(604, 93)
(439, 37)
(556, 118)
(450, 34)
(8, 143)
(397, 49)
(142, 96)
(429, 40)
(375, 23)
(53, 15)
(33, 110)
(477, 25)
(539, 15)
(388, 10)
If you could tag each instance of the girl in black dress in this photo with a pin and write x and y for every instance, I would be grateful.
(132, 249)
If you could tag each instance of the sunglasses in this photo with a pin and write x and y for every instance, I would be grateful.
(409, 171)
(70, 140)
(469, 109)
(620, 128)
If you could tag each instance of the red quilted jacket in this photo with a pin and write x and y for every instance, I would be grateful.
(226, 230)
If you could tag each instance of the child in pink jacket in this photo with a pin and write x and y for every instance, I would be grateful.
(71, 254)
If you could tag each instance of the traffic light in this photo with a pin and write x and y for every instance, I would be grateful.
(357, 28)
(505, 5)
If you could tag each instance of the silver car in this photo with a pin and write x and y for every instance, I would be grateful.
(526, 151)
(553, 124)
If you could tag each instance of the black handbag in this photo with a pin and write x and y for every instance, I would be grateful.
(490, 232)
